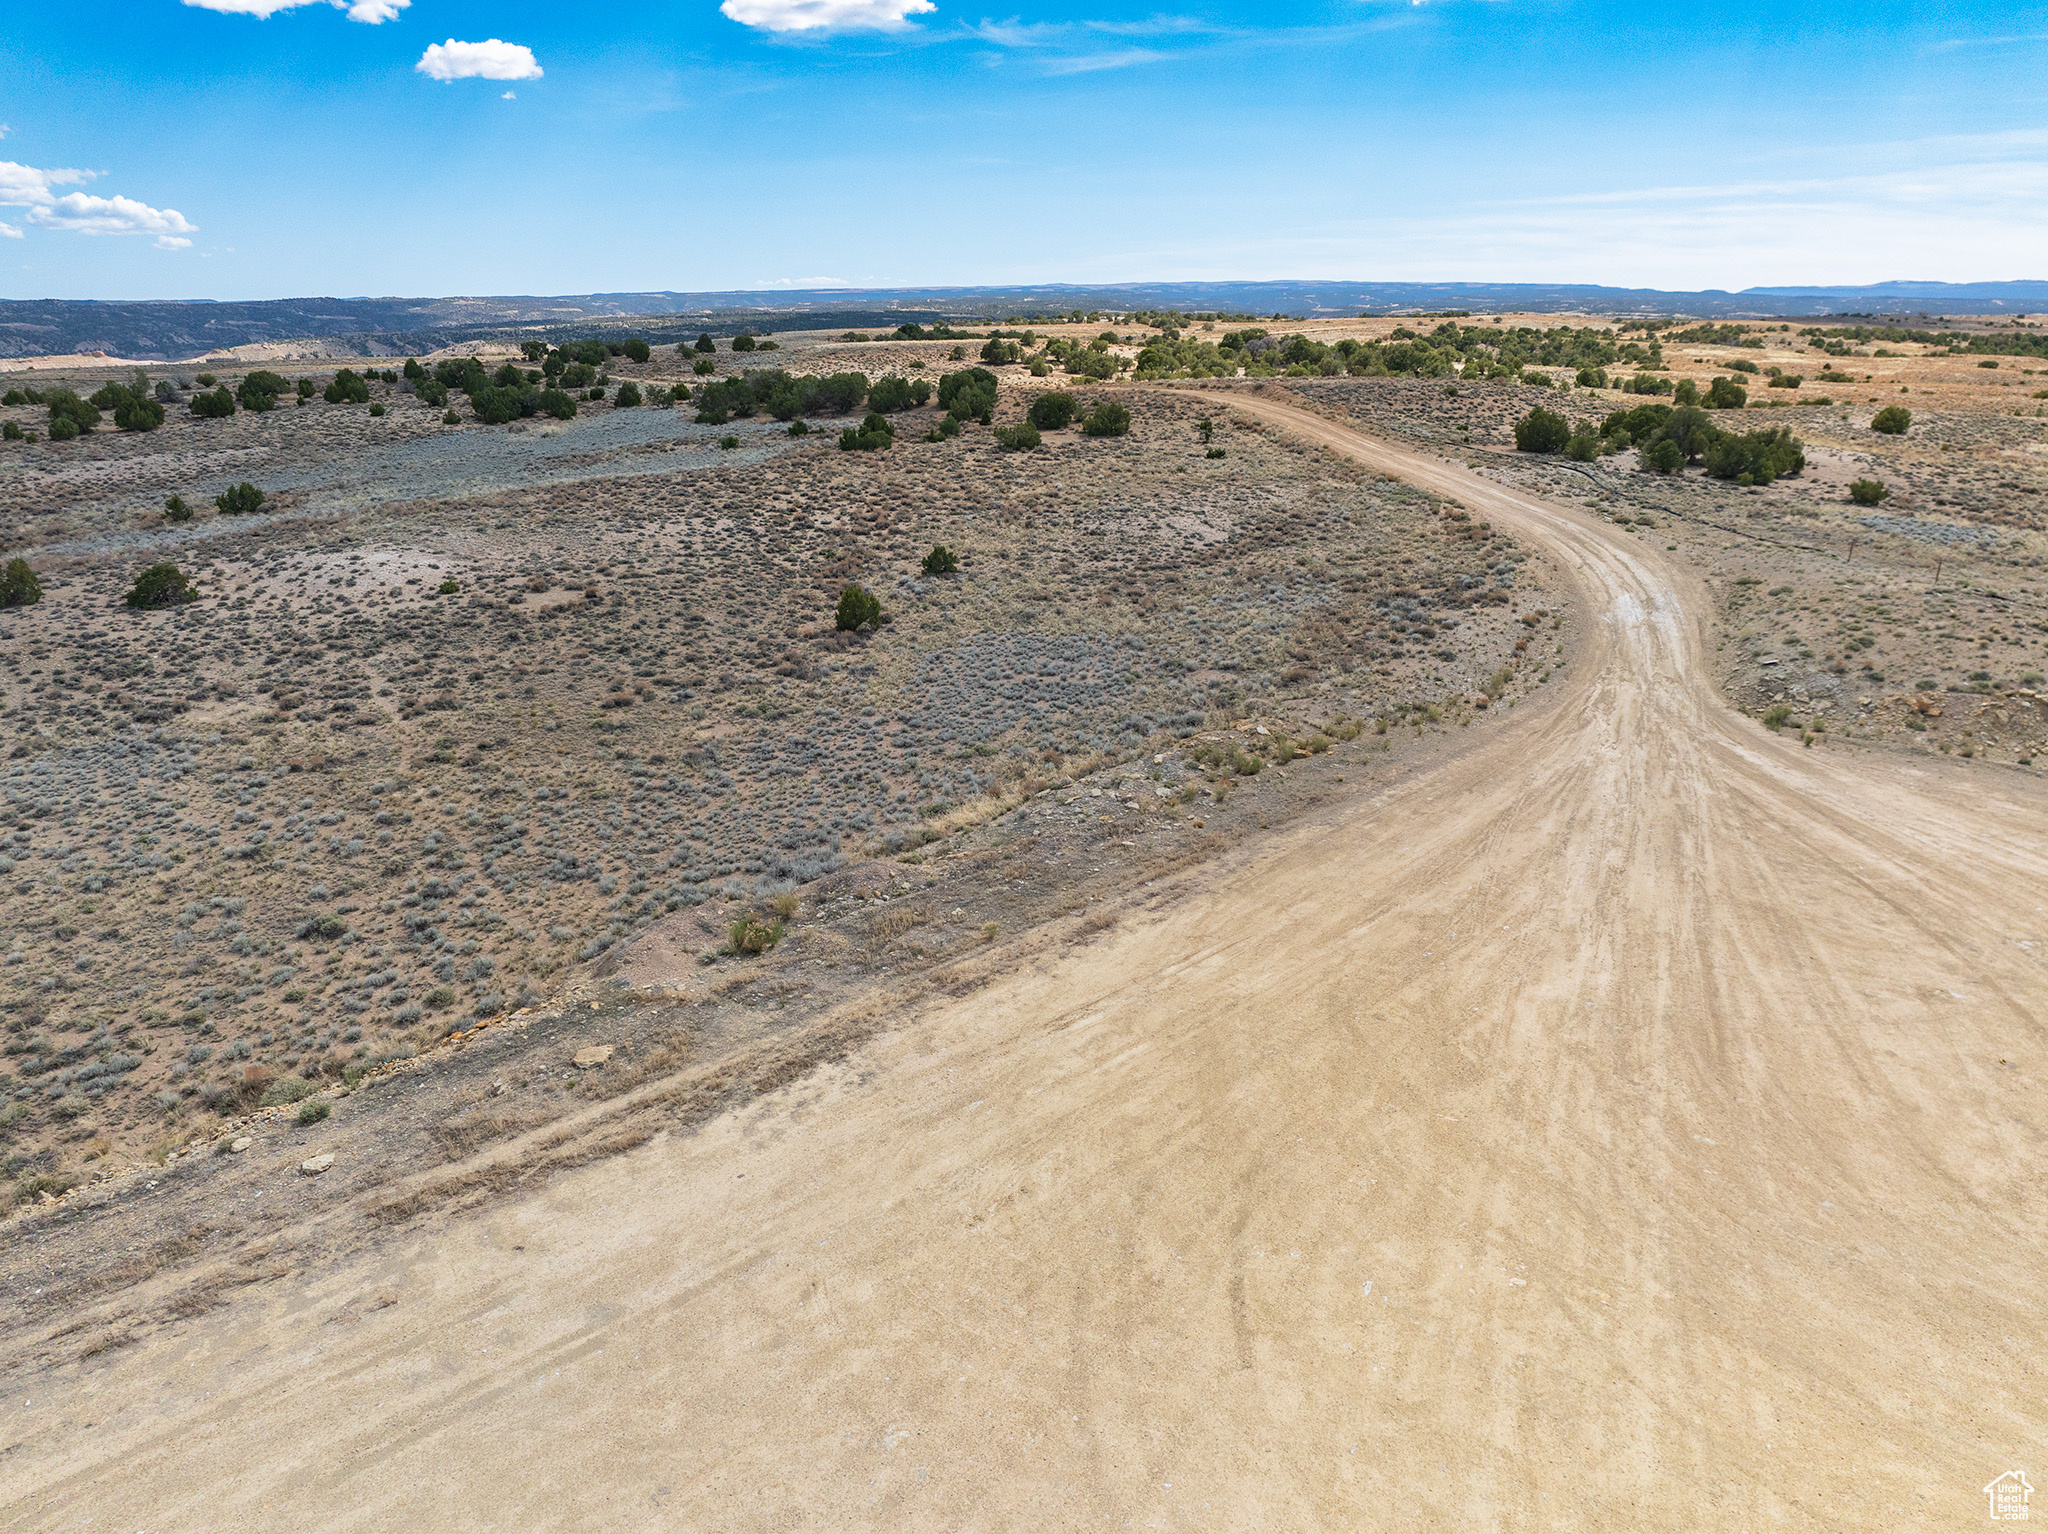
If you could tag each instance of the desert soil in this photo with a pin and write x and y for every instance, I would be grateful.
(1708, 1057)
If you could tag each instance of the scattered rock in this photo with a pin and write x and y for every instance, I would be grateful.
(318, 1164)
(241, 1143)
(592, 1056)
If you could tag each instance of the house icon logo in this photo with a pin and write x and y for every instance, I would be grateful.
(2009, 1495)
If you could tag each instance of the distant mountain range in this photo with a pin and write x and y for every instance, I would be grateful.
(179, 330)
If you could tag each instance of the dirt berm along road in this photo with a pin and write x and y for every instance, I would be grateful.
(1633, 1123)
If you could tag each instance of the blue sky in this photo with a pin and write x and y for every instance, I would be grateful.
(174, 148)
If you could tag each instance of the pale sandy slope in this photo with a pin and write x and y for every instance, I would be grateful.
(1633, 1125)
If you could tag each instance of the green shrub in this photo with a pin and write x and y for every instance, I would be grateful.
(1867, 492)
(313, 1110)
(1583, 447)
(496, 404)
(728, 443)
(11, 431)
(448, 588)
(161, 586)
(1663, 456)
(133, 407)
(13, 397)
(1020, 438)
(450, 418)
(175, 510)
(284, 1091)
(636, 350)
(1592, 378)
(752, 935)
(346, 389)
(1542, 431)
(18, 585)
(553, 402)
(1632, 428)
(1777, 714)
(941, 560)
(207, 380)
(1762, 455)
(799, 428)
(858, 607)
(67, 409)
(971, 392)
(1107, 419)
(705, 343)
(1093, 364)
(1050, 412)
(873, 433)
(1725, 394)
(259, 391)
(892, 394)
(431, 391)
(1214, 452)
(629, 396)
(1785, 381)
(239, 500)
(1893, 420)
(376, 410)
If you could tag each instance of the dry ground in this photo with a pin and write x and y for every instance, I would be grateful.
(325, 816)
(1630, 1123)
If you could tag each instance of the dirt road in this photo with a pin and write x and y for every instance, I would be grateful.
(1634, 1124)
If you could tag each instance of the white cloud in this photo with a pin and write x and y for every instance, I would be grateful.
(825, 15)
(1089, 63)
(487, 60)
(23, 186)
(371, 11)
(1956, 218)
(509, 96)
(85, 214)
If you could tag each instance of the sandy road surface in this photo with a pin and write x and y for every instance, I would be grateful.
(1634, 1124)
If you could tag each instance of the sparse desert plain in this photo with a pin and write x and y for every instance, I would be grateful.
(1323, 970)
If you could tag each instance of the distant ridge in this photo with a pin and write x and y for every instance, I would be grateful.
(178, 329)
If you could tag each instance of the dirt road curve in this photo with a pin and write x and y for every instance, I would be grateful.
(1635, 1124)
